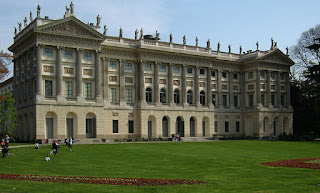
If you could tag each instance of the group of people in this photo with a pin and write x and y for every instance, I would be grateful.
(177, 137)
(5, 146)
(56, 146)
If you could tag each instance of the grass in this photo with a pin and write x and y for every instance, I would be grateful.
(228, 166)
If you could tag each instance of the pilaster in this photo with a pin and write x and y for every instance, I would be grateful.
(80, 97)
(98, 76)
(258, 90)
(209, 92)
(39, 70)
(156, 84)
(170, 85)
(122, 88)
(230, 86)
(59, 75)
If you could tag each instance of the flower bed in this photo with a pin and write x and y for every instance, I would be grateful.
(101, 180)
(310, 163)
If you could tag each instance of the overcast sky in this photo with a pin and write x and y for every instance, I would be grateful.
(234, 22)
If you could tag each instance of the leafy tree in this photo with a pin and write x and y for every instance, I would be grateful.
(306, 82)
(8, 112)
(5, 60)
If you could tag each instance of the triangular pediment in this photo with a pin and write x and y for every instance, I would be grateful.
(70, 26)
(276, 56)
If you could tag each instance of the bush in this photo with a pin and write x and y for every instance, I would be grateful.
(295, 137)
(13, 137)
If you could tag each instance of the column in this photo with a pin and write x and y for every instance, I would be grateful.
(106, 97)
(170, 85)
(141, 83)
(231, 98)
(278, 88)
(288, 101)
(269, 88)
(219, 88)
(258, 90)
(242, 90)
(183, 86)
(196, 86)
(122, 88)
(137, 82)
(209, 90)
(156, 84)
(59, 75)
(80, 97)
(98, 77)
(39, 91)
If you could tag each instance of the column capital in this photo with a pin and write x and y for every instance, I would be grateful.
(98, 51)
(171, 64)
(79, 49)
(185, 65)
(39, 45)
(60, 47)
(157, 62)
(105, 58)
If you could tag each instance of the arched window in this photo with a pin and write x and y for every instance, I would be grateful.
(148, 95)
(163, 96)
(189, 97)
(202, 98)
(176, 96)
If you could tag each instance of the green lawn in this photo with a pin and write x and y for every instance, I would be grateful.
(228, 166)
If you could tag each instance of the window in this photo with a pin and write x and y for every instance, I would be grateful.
(113, 64)
(282, 76)
(237, 126)
(272, 75)
(87, 56)
(202, 71)
(22, 76)
(48, 87)
(29, 56)
(226, 126)
(251, 100)
(131, 126)
(34, 69)
(273, 100)
(68, 89)
(262, 99)
(235, 101)
(214, 99)
(87, 90)
(250, 75)
(115, 128)
(162, 68)
(224, 100)
(128, 66)
(215, 126)
(163, 95)
(202, 98)
(34, 54)
(113, 95)
(129, 95)
(68, 53)
(213, 73)
(282, 100)
(189, 70)
(28, 73)
(235, 76)
(262, 74)
(48, 52)
(148, 67)
(189, 97)
(176, 96)
(176, 69)
(148, 95)
(224, 74)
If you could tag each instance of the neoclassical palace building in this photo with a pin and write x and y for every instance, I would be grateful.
(72, 80)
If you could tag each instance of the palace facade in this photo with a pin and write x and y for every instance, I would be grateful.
(72, 80)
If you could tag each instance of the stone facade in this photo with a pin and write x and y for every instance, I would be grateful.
(71, 80)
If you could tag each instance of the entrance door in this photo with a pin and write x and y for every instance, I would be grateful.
(192, 127)
(91, 128)
(149, 129)
(49, 126)
(203, 128)
(180, 127)
(164, 127)
(70, 127)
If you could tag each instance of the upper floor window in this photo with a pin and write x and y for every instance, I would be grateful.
(48, 87)
(250, 75)
(148, 95)
(202, 71)
(262, 74)
(113, 64)
(202, 98)
(148, 67)
(282, 77)
(176, 69)
(235, 76)
(68, 53)
(87, 90)
(113, 95)
(129, 95)
(87, 56)
(176, 96)
(189, 97)
(272, 75)
(213, 73)
(48, 52)
(163, 95)
(128, 66)
(68, 89)
(189, 70)
(162, 68)
(224, 74)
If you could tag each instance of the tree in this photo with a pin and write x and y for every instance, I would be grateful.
(5, 60)
(306, 82)
(8, 112)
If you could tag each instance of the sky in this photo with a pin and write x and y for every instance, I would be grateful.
(234, 22)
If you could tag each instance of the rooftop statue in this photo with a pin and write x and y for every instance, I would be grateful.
(71, 8)
(141, 33)
(120, 32)
(19, 26)
(67, 9)
(157, 35)
(98, 20)
(25, 21)
(257, 45)
(105, 30)
(218, 46)
(208, 44)
(184, 40)
(240, 49)
(38, 11)
(15, 31)
(272, 44)
(197, 41)
(287, 53)
(30, 17)
(170, 37)
(136, 34)
(229, 47)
